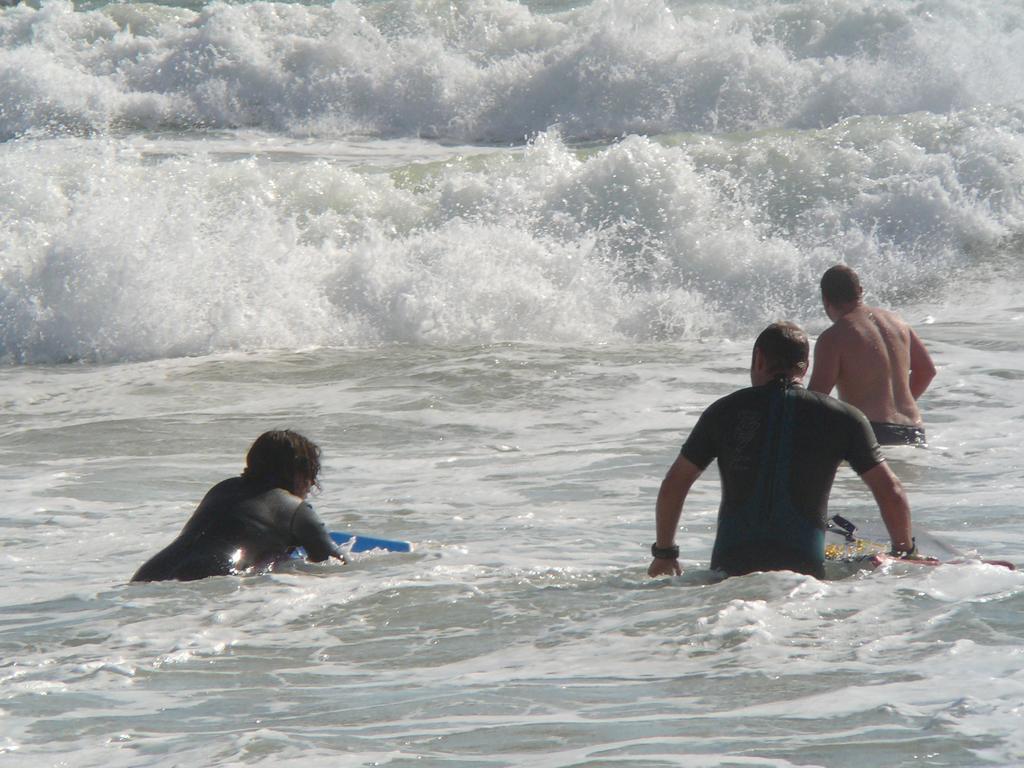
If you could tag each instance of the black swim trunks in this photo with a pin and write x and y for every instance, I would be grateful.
(778, 447)
(898, 434)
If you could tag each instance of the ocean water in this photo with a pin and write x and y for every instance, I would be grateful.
(495, 258)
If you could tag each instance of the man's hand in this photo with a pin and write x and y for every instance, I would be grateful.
(662, 566)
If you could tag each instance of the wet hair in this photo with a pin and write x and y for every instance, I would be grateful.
(276, 457)
(785, 347)
(840, 285)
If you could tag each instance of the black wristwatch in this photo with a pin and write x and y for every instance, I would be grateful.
(665, 553)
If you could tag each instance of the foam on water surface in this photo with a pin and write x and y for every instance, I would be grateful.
(495, 258)
(119, 253)
(523, 626)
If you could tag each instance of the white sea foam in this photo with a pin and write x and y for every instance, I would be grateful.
(524, 622)
(197, 203)
(125, 249)
(492, 70)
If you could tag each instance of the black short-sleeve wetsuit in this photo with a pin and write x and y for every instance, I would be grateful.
(778, 447)
(237, 526)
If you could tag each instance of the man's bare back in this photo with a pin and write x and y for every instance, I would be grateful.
(867, 355)
(874, 358)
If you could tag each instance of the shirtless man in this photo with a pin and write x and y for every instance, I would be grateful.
(877, 361)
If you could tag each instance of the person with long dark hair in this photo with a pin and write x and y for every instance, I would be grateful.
(247, 524)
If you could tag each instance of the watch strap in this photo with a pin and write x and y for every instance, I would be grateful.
(665, 553)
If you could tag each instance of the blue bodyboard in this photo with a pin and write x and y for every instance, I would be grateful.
(367, 543)
(360, 543)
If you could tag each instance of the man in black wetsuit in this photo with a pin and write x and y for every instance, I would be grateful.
(778, 447)
(248, 523)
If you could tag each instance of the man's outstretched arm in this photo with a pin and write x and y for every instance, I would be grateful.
(826, 365)
(892, 503)
(922, 369)
(680, 477)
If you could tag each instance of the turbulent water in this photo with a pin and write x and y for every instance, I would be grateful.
(494, 257)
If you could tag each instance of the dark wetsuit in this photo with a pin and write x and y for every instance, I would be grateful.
(898, 434)
(778, 447)
(239, 526)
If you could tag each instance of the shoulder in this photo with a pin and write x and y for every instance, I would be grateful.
(851, 429)
(830, 340)
(229, 485)
(820, 399)
(279, 498)
(738, 405)
(223, 491)
(845, 413)
(747, 393)
(882, 312)
(733, 400)
(890, 318)
(719, 412)
(829, 333)
(703, 442)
